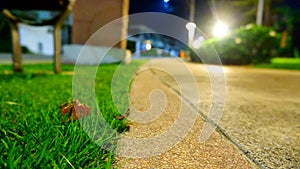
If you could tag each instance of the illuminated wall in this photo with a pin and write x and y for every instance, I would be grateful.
(91, 15)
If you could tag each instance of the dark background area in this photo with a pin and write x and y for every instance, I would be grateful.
(207, 12)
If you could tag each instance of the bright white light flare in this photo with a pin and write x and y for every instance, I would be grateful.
(220, 29)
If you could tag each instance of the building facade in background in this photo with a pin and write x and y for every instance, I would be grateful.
(87, 17)
(90, 15)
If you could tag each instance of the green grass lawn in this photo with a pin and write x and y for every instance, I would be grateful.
(282, 63)
(32, 134)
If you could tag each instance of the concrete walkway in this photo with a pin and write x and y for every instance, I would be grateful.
(6, 58)
(260, 127)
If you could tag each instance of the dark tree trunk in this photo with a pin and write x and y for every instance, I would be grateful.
(267, 13)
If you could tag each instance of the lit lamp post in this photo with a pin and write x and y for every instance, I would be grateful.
(148, 45)
(191, 32)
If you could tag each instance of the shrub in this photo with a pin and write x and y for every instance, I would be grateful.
(249, 44)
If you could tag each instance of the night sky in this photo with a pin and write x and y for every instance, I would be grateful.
(179, 8)
(206, 13)
(176, 7)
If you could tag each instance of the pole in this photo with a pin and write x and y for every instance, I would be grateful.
(260, 10)
(192, 10)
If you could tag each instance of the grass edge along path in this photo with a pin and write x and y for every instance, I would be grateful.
(32, 134)
(281, 63)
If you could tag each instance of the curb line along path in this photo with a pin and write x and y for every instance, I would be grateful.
(216, 152)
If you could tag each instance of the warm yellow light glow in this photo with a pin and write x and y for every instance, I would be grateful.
(220, 29)
(272, 33)
(238, 40)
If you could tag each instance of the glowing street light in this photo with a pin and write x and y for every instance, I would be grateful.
(166, 3)
(191, 32)
(220, 29)
(148, 45)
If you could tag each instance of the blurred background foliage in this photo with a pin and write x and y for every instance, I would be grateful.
(249, 44)
(278, 36)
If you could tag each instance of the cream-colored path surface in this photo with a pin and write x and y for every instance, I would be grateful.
(170, 139)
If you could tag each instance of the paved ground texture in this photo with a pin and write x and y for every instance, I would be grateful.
(6, 58)
(260, 126)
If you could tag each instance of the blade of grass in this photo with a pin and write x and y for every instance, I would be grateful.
(15, 134)
(17, 160)
(11, 156)
(67, 160)
(4, 143)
